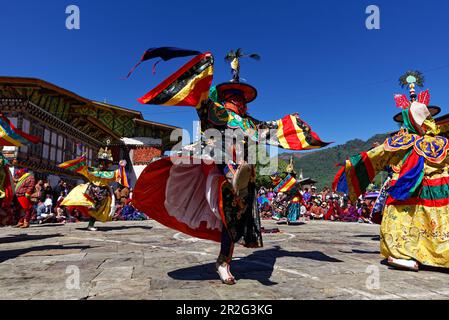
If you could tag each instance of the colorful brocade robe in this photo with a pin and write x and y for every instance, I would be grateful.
(198, 198)
(415, 223)
(81, 195)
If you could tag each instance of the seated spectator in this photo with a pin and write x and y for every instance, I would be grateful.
(349, 213)
(333, 211)
(61, 214)
(365, 213)
(129, 213)
(317, 212)
(45, 210)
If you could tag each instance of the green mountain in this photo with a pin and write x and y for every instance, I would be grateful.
(320, 165)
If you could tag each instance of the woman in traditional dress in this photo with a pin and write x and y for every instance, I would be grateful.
(215, 200)
(415, 224)
(96, 196)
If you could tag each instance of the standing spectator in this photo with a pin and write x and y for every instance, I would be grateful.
(37, 194)
(313, 192)
(47, 190)
(306, 196)
(124, 195)
(58, 189)
(270, 195)
(118, 193)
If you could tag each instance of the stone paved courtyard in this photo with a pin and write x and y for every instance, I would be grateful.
(144, 260)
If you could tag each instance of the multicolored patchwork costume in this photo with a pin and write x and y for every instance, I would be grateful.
(96, 196)
(210, 199)
(14, 137)
(6, 193)
(415, 224)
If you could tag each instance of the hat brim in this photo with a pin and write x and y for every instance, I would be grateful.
(248, 91)
(434, 110)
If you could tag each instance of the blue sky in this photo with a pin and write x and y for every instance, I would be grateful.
(317, 56)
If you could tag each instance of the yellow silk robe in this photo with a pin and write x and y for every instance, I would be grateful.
(100, 178)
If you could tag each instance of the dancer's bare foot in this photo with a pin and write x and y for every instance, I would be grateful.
(403, 264)
(224, 272)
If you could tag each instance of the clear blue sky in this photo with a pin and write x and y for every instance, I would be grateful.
(317, 56)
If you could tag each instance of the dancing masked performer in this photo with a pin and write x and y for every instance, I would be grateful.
(14, 137)
(6, 192)
(415, 225)
(96, 196)
(214, 200)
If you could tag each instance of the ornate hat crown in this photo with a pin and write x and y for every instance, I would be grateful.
(411, 79)
(290, 167)
(235, 86)
(105, 153)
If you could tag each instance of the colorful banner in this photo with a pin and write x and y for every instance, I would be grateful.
(11, 136)
(295, 134)
(286, 185)
(188, 86)
(75, 165)
(122, 177)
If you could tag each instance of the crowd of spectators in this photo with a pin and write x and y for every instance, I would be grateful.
(313, 205)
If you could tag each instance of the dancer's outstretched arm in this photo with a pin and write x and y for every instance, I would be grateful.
(360, 170)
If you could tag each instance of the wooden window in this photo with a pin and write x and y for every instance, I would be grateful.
(47, 135)
(52, 153)
(45, 152)
(54, 139)
(26, 126)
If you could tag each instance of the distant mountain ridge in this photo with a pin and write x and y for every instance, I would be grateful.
(321, 164)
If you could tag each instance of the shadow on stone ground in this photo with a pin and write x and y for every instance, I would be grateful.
(14, 253)
(27, 237)
(374, 237)
(258, 266)
(356, 251)
(107, 229)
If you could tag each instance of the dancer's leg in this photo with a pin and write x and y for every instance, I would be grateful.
(91, 224)
(225, 257)
(27, 218)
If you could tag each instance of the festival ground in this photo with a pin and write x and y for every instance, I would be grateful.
(144, 260)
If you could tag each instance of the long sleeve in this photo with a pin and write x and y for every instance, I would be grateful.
(96, 177)
(291, 133)
(102, 178)
(360, 170)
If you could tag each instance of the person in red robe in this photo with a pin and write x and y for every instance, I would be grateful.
(25, 184)
(6, 192)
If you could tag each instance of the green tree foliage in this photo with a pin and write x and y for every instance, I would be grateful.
(264, 180)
